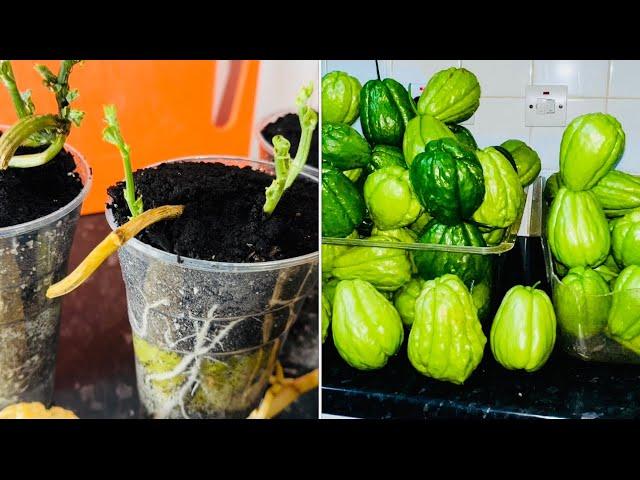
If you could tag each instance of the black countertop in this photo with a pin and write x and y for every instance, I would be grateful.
(95, 373)
(564, 388)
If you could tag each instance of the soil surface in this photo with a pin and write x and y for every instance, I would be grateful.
(223, 218)
(30, 193)
(289, 127)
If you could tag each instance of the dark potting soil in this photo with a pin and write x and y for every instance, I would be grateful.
(30, 193)
(289, 127)
(223, 218)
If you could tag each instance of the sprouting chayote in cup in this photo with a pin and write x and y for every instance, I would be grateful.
(38, 130)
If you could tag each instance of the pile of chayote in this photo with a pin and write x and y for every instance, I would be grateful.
(416, 176)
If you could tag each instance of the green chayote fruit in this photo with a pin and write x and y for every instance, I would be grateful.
(353, 174)
(385, 156)
(400, 234)
(343, 147)
(577, 230)
(528, 164)
(582, 301)
(367, 329)
(451, 95)
(503, 195)
(625, 239)
(448, 180)
(390, 198)
(618, 193)
(623, 324)
(343, 207)
(592, 144)
(385, 268)
(340, 98)
(523, 331)
(446, 340)
(325, 315)
(420, 131)
(329, 289)
(405, 299)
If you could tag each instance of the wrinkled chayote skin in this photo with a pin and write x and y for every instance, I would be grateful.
(451, 95)
(577, 230)
(446, 340)
(366, 328)
(493, 236)
(464, 136)
(401, 235)
(343, 207)
(623, 323)
(340, 98)
(527, 160)
(503, 195)
(582, 302)
(385, 156)
(419, 132)
(618, 192)
(523, 332)
(343, 147)
(625, 239)
(592, 144)
(385, 268)
(448, 180)
(390, 198)
(421, 222)
(405, 299)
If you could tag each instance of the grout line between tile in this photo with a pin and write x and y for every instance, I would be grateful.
(608, 91)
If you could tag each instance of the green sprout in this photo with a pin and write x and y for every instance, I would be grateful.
(288, 169)
(38, 130)
(112, 135)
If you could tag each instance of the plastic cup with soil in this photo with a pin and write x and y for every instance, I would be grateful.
(287, 124)
(225, 253)
(43, 183)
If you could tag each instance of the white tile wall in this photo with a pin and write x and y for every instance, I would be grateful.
(611, 86)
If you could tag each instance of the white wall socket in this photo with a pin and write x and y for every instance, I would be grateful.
(545, 106)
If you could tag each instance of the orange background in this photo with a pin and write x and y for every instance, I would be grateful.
(165, 108)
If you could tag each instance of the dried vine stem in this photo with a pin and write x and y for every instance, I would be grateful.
(109, 245)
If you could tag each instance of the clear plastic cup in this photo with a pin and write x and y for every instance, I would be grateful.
(207, 334)
(33, 256)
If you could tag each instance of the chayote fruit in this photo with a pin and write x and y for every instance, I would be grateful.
(623, 324)
(385, 268)
(340, 98)
(618, 193)
(503, 195)
(420, 131)
(577, 230)
(464, 136)
(343, 147)
(493, 236)
(405, 299)
(342, 204)
(528, 164)
(609, 270)
(390, 198)
(451, 95)
(481, 294)
(625, 239)
(446, 340)
(421, 222)
(592, 144)
(523, 332)
(385, 156)
(400, 234)
(551, 187)
(448, 180)
(582, 301)
(366, 328)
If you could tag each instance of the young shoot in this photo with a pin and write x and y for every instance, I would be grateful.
(38, 130)
(112, 135)
(288, 169)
